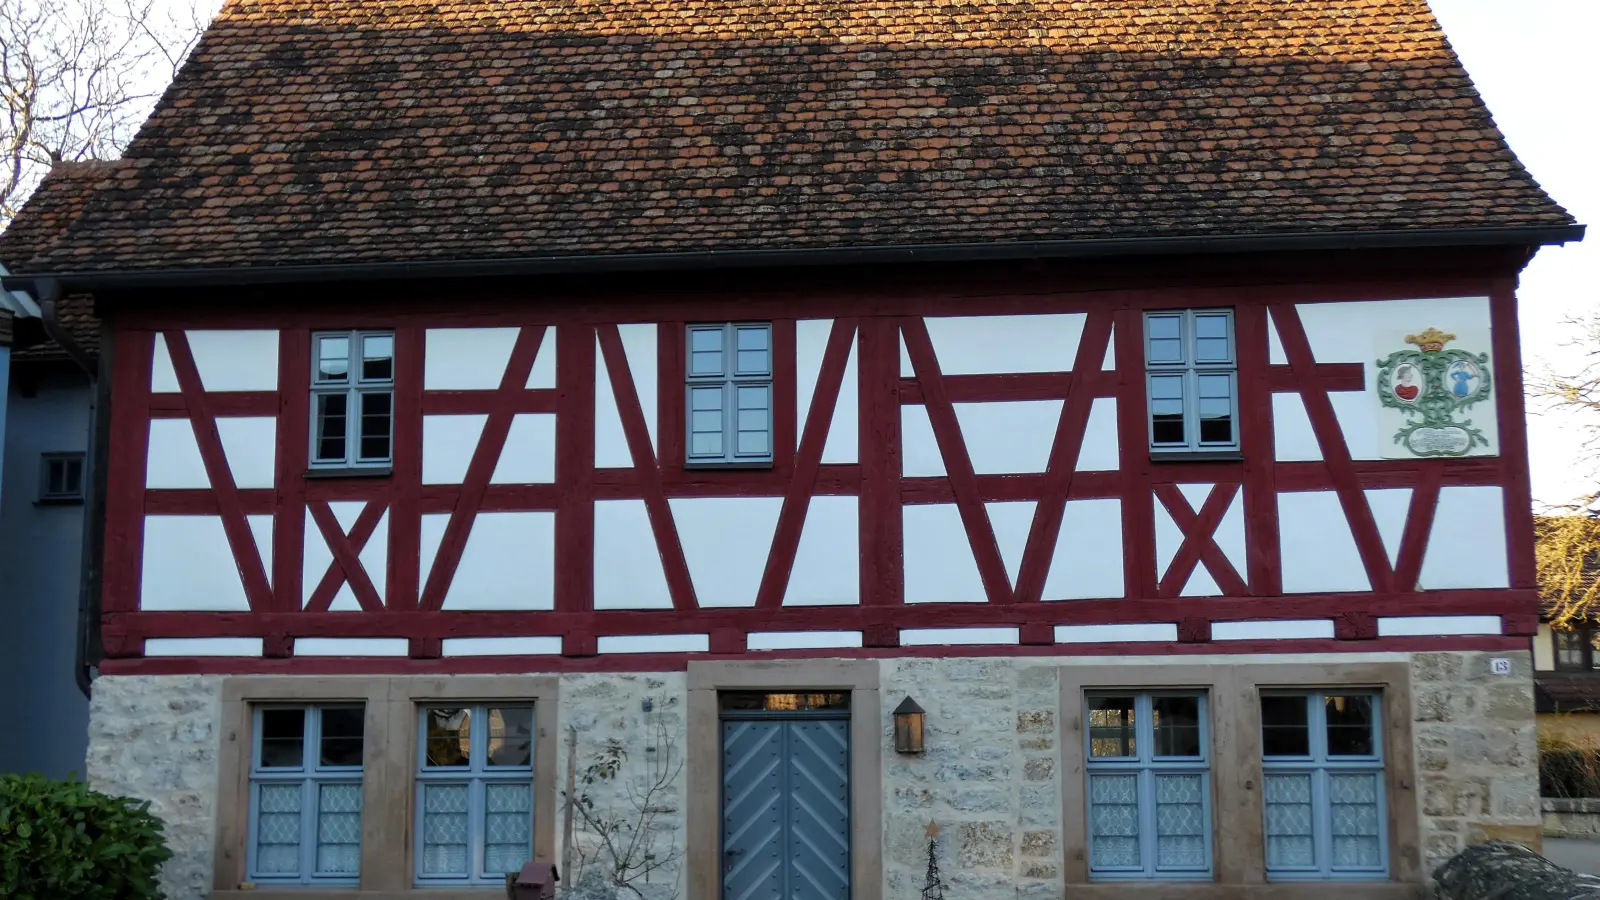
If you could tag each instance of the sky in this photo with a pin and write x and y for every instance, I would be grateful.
(1534, 63)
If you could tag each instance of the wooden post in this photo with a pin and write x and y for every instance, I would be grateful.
(572, 785)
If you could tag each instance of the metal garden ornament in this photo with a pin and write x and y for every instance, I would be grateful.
(1433, 387)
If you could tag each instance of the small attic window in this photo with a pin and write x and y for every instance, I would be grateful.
(61, 478)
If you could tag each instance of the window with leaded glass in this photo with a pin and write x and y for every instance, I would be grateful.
(352, 398)
(305, 795)
(1149, 786)
(1192, 380)
(474, 793)
(729, 394)
(1323, 786)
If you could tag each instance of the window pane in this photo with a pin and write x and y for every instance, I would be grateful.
(752, 338)
(339, 829)
(1167, 327)
(1216, 422)
(342, 736)
(1569, 649)
(753, 353)
(755, 701)
(1284, 727)
(1166, 409)
(1349, 726)
(1180, 821)
(706, 444)
(283, 737)
(1211, 325)
(706, 421)
(1112, 727)
(376, 408)
(510, 735)
(1164, 351)
(1177, 725)
(507, 827)
(1216, 387)
(753, 398)
(1354, 802)
(377, 357)
(705, 351)
(278, 829)
(331, 412)
(754, 443)
(1289, 821)
(1113, 821)
(333, 358)
(444, 829)
(72, 477)
(449, 737)
(1211, 339)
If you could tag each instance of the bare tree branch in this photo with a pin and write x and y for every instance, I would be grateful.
(78, 77)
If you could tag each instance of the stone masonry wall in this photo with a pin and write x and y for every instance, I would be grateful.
(158, 738)
(1477, 754)
(990, 777)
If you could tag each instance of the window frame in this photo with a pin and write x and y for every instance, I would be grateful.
(1191, 370)
(1321, 766)
(477, 776)
(311, 776)
(67, 457)
(730, 379)
(1147, 765)
(353, 387)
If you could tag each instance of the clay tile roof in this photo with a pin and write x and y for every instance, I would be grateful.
(45, 219)
(315, 131)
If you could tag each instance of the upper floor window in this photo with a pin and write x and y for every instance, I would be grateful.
(352, 398)
(1149, 786)
(1575, 648)
(61, 477)
(730, 394)
(305, 795)
(1323, 786)
(474, 793)
(1192, 380)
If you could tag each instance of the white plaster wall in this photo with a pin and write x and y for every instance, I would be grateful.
(235, 646)
(610, 441)
(726, 542)
(467, 359)
(827, 563)
(235, 360)
(501, 646)
(1087, 561)
(1201, 583)
(189, 567)
(529, 456)
(1390, 507)
(627, 566)
(1013, 436)
(543, 373)
(1100, 451)
(1544, 654)
(1011, 522)
(374, 558)
(801, 640)
(448, 443)
(1169, 537)
(508, 563)
(317, 557)
(1467, 547)
(163, 379)
(1293, 440)
(250, 444)
(939, 565)
(639, 345)
(1319, 552)
(433, 527)
(811, 342)
(173, 460)
(351, 647)
(1109, 364)
(919, 449)
(1230, 535)
(984, 345)
(843, 445)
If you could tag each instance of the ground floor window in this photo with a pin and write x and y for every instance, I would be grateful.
(474, 792)
(1323, 786)
(305, 794)
(1149, 786)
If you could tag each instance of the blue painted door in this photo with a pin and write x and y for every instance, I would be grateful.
(786, 809)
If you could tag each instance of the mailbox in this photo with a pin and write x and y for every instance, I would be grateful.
(536, 881)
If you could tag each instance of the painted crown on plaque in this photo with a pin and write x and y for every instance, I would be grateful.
(1431, 341)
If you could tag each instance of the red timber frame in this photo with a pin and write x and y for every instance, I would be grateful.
(874, 320)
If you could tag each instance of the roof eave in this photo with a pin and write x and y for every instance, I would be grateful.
(210, 276)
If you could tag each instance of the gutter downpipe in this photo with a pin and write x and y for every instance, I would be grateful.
(48, 292)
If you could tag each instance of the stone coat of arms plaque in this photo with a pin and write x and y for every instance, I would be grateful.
(1436, 398)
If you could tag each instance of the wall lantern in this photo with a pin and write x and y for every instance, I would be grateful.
(908, 727)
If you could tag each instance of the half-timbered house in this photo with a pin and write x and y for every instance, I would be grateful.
(518, 401)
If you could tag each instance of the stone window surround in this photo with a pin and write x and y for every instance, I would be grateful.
(704, 806)
(388, 765)
(1239, 851)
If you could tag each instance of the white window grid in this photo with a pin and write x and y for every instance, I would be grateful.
(279, 793)
(1150, 773)
(728, 396)
(467, 788)
(356, 387)
(1349, 841)
(1199, 370)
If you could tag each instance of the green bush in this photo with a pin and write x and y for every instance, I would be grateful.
(59, 839)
